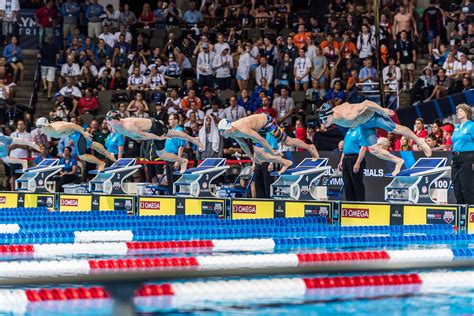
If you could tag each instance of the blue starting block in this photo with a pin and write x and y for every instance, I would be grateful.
(302, 182)
(111, 180)
(420, 183)
(37, 179)
(198, 182)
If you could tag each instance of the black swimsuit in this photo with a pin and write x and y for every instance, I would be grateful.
(160, 129)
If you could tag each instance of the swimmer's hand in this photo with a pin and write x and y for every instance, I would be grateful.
(388, 112)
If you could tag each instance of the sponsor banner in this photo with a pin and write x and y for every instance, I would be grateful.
(470, 220)
(303, 209)
(39, 200)
(364, 214)
(430, 214)
(156, 206)
(251, 209)
(204, 207)
(10, 200)
(74, 203)
(117, 203)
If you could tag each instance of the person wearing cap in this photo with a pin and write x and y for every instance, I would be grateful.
(150, 129)
(370, 116)
(462, 172)
(81, 139)
(255, 127)
(204, 66)
(223, 64)
(352, 164)
(448, 130)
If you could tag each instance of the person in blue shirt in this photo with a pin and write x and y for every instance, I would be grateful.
(44, 154)
(352, 164)
(192, 16)
(69, 172)
(336, 95)
(462, 171)
(94, 20)
(115, 144)
(70, 12)
(176, 147)
(14, 55)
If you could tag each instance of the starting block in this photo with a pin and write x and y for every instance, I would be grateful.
(420, 183)
(302, 182)
(37, 179)
(197, 182)
(111, 180)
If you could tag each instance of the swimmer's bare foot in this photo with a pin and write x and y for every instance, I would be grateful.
(286, 164)
(184, 165)
(314, 152)
(426, 148)
(398, 166)
(101, 166)
(111, 157)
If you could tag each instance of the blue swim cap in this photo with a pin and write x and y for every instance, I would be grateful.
(325, 111)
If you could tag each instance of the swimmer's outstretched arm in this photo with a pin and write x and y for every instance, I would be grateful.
(253, 135)
(20, 141)
(67, 128)
(189, 138)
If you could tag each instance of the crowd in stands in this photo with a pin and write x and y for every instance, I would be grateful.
(228, 59)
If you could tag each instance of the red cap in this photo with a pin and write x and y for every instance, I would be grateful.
(448, 128)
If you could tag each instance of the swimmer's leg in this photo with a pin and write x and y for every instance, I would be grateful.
(93, 159)
(405, 131)
(296, 142)
(183, 162)
(386, 155)
(261, 155)
(101, 150)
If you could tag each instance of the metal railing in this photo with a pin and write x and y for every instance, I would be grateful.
(36, 87)
(374, 91)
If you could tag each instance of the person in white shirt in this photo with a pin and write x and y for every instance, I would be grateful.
(215, 110)
(123, 30)
(69, 70)
(392, 75)
(243, 70)
(221, 44)
(365, 43)
(233, 112)
(193, 108)
(9, 11)
(92, 68)
(223, 64)
(173, 102)
(108, 65)
(18, 151)
(136, 81)
(463, 67)
(204, 66)
(72, 92)
(302, 69)
(284, 105)
(108, 37)
(264, 71)
(155, 80)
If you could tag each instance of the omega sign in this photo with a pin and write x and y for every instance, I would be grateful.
(355, 212)
(150, 205)
(3, 200)
(244, 209)
(69, 202)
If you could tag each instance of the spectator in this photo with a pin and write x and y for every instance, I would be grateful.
(365, 44)
(69, 71)
(69, 172)
(209, 136)
(49, 54)
(463, 68)
(223, 65)
(18, 151)
(264, 70)
(406, 56)
(405, 144)
(160, 113)
(290, 48)
(9, 11)
(448, 130)
(70, 11)
(336, 95)
(115, 144)
(450, 66)
(71, 92)
(300, 38)
(285, 107)
(423, 86)
(466, 84)
(209, 97)
(136, 102)
(432, 141)
(43, 154)
(243, 69)
(14, 55)
(284, 71)
(88, 104)
(159, 15)
(302, 70)
(191, 97)
(192, 16)
(320, 68)
(45, 19)
(136, 81)
(315, 95)
(368, 74)
(193, 108)
(404, 21)
(245, 101)
(433, 23)
(233, 112)
(108, 37)
(443, 85)
(127, 18)
(173, 102)
(38, 137)
(172, 14)
(94, 19)
(118, 82)
(122, 109)
(112, 17)
(204, 66)
(436, 131)
(266, 108)
(392, 75)
(147, 18)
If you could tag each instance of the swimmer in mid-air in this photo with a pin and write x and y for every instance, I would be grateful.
(370, 116)
(150, 129)
(6, 142)
(255, 127)
(81, 139)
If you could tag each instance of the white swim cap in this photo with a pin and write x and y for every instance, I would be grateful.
(224, 125)
(42, 122)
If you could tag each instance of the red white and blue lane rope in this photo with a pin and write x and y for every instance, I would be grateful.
(26, 268)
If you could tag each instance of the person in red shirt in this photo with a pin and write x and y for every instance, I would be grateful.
(88, 103)
(267, 108)
(420, 130)
(191, 97)
(448, 130)
(45, 19)
(300, 38)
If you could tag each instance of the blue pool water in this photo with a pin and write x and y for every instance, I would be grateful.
(290, 237)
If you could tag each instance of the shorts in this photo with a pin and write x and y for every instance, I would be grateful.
(48, 73)
(377, 121)
(276, 131)
(158, 128)
(240, 77)
(410, 66)
(13, 169)
(432, 34)
(302, 81)
(68, 29)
